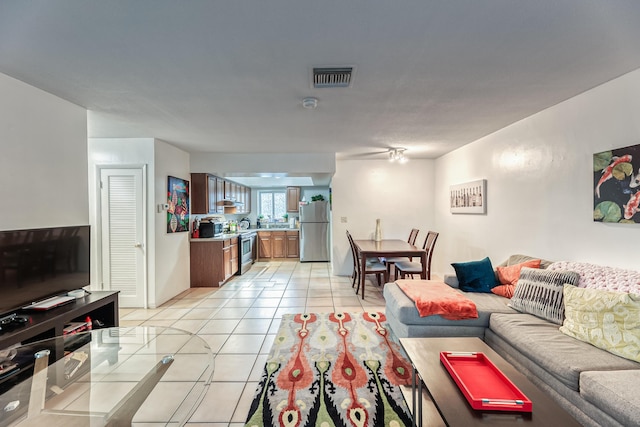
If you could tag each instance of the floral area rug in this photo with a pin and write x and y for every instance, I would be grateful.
(333, 369)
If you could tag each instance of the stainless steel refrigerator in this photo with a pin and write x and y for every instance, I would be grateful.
(314, 231)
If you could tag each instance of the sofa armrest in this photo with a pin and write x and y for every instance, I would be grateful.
(451, 280)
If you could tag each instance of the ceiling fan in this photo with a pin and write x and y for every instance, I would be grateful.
(393, 154)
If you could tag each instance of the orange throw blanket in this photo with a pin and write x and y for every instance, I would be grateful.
(433, 297)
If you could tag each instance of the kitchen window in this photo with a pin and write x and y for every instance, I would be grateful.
(272, 204)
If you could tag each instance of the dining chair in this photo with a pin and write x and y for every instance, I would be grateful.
(372, 267)
(388, 262)
(355, 257)
(405, 268)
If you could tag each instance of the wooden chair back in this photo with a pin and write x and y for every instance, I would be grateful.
(429, 244)
(413, 236)
(354, 253)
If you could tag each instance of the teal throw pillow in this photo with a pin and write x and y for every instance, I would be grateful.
(475, 276)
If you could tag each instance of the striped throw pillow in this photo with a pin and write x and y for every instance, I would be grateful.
(539, 292)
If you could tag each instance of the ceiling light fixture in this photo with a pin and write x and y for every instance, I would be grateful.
(310, 103)
(397, 154)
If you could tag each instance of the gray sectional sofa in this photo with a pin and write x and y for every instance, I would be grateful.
(598, 388)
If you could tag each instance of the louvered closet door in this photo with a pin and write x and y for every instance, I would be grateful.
(123, 248)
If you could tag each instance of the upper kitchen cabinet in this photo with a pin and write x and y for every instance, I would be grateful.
(209, 193)
(293, 199)
(204, 197)
(219, 194)
(246, 194)
(239, 194)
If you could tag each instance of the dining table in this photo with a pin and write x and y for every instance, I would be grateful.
(388, 248)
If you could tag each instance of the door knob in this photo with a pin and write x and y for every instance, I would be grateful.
(137, 245)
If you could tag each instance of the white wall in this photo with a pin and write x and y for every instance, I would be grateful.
(540, 184)
(167, 255)
(172, 270)
(401, 195)
(43, 158)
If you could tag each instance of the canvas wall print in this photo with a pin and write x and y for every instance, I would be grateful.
(469, 198)
(178, 200)
(616, 183)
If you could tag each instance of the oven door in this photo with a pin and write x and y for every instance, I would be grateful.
(246, 253)
(245, 250)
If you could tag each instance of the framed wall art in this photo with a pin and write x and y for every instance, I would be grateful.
(178, 200)
(616, 185)
(469, 198)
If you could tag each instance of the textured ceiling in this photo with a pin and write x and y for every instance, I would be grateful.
(230, 76)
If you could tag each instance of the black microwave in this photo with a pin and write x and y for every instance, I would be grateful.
(210, 229)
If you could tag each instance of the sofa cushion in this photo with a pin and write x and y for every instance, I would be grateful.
(606, 319)
(504, 290)
(509, 275)
(561, 356)
(452, 280)
(540, 292)
(404, 309)
(519, 258)
(615, 392)
(602, 277)
(475, 276)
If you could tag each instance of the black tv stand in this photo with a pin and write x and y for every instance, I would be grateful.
(101, 306)
(9, 322)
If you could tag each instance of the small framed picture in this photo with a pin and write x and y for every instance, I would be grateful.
(469, 198)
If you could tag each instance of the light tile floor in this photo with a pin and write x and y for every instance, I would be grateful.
(239, 322)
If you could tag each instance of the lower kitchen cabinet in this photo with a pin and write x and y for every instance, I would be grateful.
(278, 244)
(264, 244)
(293, 244)
(213, 262)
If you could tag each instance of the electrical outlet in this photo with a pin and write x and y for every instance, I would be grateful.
(343, 219)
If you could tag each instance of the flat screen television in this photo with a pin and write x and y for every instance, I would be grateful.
(39, 263)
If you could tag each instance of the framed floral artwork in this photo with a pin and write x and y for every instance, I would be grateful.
(178, 201)
(616, 185)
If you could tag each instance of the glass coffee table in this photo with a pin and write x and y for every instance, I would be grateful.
(107, 377)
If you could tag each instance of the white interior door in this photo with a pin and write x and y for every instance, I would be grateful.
(123, 237)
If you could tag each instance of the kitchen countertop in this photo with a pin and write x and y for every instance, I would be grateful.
(214, 239)
(227, 236)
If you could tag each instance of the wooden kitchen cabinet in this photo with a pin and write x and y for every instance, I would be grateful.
(213, 262)
(204, 194)
(264, 244)
(293, 199)
(208, 191)
(219, 192)
(247, 200)
(293, 244)
(239, 194)
(278, 244)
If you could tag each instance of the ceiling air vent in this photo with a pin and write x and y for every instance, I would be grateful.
(332, 77)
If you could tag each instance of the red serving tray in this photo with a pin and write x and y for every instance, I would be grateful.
(483, 384)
